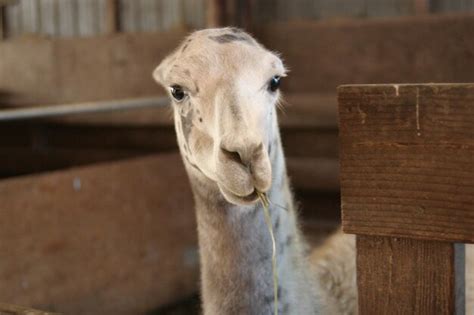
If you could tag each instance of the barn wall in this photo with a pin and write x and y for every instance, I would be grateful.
(105, 67)
(67, 18)
(71, 70)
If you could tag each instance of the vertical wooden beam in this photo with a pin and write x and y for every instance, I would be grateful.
(111, 17)
(2, 23)
(406, 276)
(216, 13)
(421, 7)
(244, 13)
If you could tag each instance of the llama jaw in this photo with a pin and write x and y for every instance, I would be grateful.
(231, 197)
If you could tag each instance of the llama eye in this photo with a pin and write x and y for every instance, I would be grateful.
(177, 92)
(274, 83)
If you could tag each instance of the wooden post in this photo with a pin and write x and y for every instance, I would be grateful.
(244, 14)
(111, 17)
(216, 13)
(407, 188)
(2, 23)
(421, 7)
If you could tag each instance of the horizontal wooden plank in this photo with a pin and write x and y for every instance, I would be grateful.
(407, 160)
(16, 161)
(405, 276)
(99, 239)
(323, 55)
(56, 71)
(43, 135)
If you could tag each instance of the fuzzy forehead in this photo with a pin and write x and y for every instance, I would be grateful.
(215, 53)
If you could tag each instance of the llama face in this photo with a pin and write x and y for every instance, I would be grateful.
(224, 88)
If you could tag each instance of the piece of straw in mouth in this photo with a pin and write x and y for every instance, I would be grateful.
(266, 203)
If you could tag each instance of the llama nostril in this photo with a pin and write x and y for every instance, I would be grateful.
(233, 156)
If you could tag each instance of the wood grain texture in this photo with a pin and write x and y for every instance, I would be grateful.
(112, 238)
(324, 55)
(405, 276)
(407, 160)
(40, 70)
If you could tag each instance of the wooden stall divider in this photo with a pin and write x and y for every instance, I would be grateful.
(407, 192)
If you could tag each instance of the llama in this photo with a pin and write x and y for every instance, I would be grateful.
(224, 88)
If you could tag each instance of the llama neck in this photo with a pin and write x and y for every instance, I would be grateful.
(236, 250)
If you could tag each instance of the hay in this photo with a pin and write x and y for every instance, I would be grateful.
(265, 203)
(10, 309)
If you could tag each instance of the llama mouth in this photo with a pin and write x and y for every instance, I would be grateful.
(236, 199)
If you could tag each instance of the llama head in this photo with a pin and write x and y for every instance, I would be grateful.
(224, 89)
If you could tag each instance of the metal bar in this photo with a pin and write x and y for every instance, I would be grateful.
(81, 108)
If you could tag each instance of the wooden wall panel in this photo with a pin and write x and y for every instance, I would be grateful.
(100, 239)
(324, 55)
(99, 68)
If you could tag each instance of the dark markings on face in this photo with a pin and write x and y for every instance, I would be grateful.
(289, 240)
(235, 30)
(228, 38)
(187, 123)
(285, 309)
(187, 72)
(184, 47)
(200, 119)
(235, 111)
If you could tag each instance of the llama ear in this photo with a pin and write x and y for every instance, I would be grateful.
(161, 73)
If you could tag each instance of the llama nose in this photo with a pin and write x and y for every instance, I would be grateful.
(243, 153)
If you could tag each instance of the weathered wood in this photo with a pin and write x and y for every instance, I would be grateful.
(421, 7)
(111, 17)
(405, 276)
(2, 23)
(315, 174)
(40, 70)
(216, 13)
(407, 160)
(99, 239)
(329, 53)
(19, 160)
